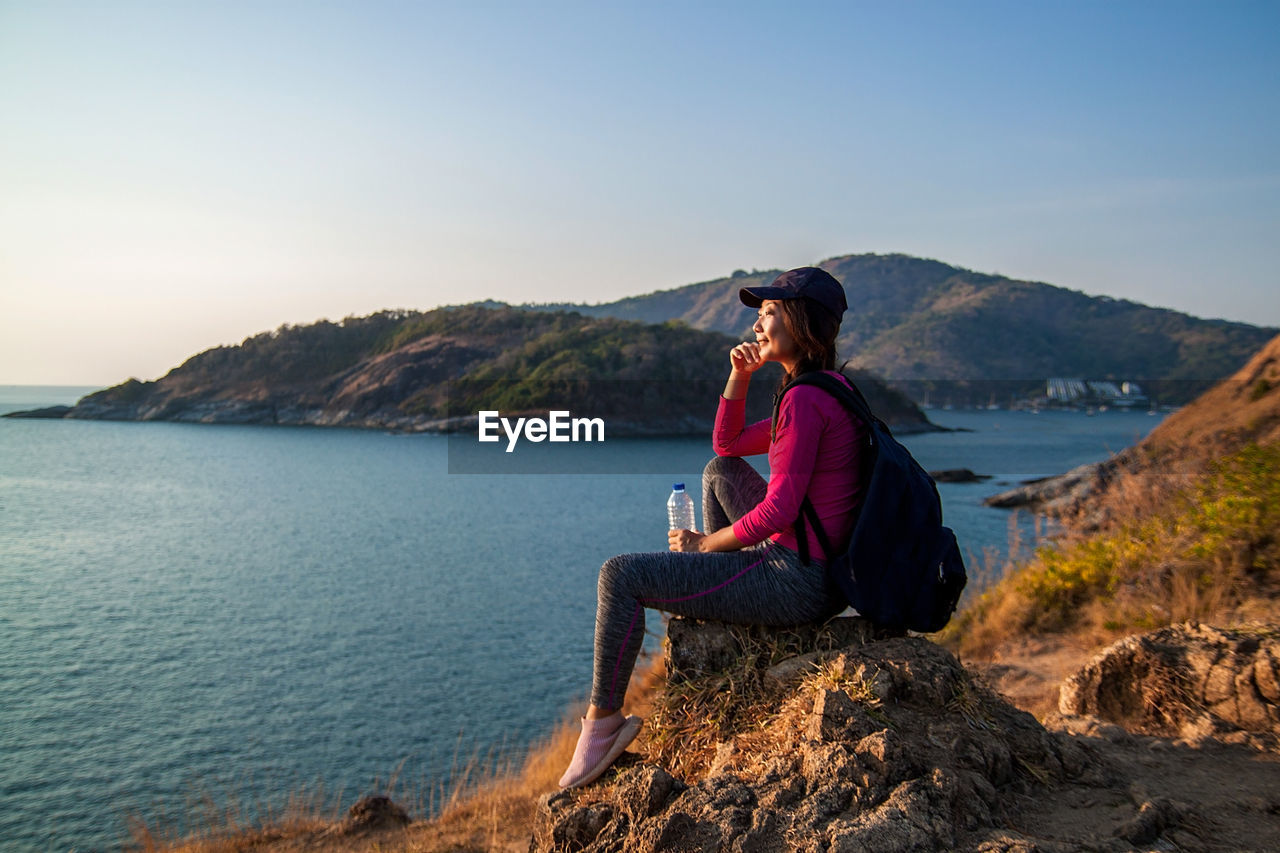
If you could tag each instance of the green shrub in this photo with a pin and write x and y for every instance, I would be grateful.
(1149, 571)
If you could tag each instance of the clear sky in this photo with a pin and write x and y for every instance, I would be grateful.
(176, 175)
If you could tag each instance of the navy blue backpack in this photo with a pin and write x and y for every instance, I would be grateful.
(901, 568)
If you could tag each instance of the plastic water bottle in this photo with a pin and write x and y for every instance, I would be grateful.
(680, 514)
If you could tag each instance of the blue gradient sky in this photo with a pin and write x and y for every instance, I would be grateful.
(177, 175)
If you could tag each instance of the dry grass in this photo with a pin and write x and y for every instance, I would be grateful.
(1184, 541)
(489, 805)
(496, 813)
(235, 822)
(691, 720)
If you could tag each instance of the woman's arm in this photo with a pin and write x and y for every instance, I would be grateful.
(731, 435)
(744, 360)
(723, 539)
(791, 463)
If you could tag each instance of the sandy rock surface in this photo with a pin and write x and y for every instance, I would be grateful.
(1186, 681)
(898, 747)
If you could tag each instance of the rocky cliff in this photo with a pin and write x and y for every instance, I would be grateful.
(875, 743)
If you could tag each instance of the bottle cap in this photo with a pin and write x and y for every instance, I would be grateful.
(679, 487)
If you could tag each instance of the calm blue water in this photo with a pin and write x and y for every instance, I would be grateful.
(200, 609)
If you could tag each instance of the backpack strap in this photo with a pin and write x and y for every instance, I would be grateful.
(807, 511)
(849, 396)
(802, 539)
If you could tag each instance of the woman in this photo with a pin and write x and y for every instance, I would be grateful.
(746, 567)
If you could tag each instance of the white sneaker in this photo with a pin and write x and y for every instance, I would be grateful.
(598, 748)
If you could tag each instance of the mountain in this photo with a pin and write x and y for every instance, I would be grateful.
(436, 370)
(922, 324)
(914, 320)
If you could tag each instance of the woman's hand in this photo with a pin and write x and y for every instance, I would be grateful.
(685, 540)
(723, 539)
(745, 358)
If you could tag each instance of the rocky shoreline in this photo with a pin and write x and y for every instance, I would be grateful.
(266, 413)
(251, 412)
(1061, 493)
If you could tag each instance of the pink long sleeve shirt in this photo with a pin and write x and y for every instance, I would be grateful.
(816, 451)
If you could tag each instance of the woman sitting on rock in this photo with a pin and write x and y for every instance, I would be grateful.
(746, 568)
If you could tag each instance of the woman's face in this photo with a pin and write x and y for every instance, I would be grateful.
(776, 343)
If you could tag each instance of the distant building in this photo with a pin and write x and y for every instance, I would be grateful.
(1066, 390)
(1094, 392)
(1104, 390)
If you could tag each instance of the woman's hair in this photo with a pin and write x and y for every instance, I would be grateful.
(814, 330)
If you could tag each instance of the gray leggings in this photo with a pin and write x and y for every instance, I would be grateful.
(761, 585)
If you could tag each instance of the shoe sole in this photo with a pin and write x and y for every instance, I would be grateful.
(626, 734)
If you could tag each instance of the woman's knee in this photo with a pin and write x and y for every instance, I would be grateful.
(613, 573)
(723, 467)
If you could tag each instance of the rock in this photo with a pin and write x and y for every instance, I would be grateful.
(1266, 675)
(1091, 726)
(835, 716)
(958, 475)
(561, 824)
(1153, 819)
(1061, 493)
(48, 412)
(1008, 841)
(1190, 681)
(643, 791)
(678, 830)
(373, 814)
(792, 669)
(700, 648)
(873, 744)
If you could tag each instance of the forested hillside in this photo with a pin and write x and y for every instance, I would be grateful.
(922, 320)
(434, 370)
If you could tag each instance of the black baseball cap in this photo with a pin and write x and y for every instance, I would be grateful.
(807, 282)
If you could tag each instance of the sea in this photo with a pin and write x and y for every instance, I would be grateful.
(199, 617)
